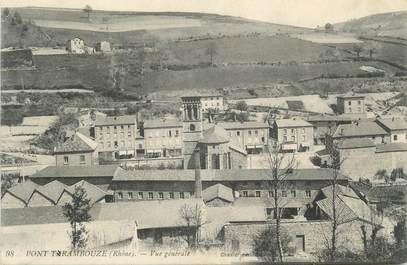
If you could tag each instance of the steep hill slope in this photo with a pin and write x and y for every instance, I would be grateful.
(392, 24)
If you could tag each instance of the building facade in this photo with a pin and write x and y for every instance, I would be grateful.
(75, 45)
(293, 135)
(350, 104)
(103, 46)
(396, 128)
(116, 137)
(212, 102)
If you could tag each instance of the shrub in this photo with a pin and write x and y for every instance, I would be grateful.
(265, 246)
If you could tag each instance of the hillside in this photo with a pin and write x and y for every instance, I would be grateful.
(392, 24)
(51, 26)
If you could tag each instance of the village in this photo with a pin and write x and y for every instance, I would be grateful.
(195, 172)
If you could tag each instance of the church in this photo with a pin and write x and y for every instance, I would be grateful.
(212, 147)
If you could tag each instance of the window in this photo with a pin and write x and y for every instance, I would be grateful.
(285, 131)
(120, 196)
(285, 138)
(192, 127)
(293, 138)
(130, 195)
(140, 195)
(238, 133)
(109, 144)
(245, 193)
(406, 136)
(66, 160)
(293, 193)
(262, 139)
(303, 130)
(258, 193)
(395, 137)
(121, 127)
(359, 102)
(161, 195)
(182, 195)
(349, 103)
(115, 127)
(171, 195)
(82, 159)
(292, 130)
(176, 133)
(115, 144)
(169, 133)
(308, 193)
(129, 133)
(250, 132)
(150, 196)
(283, 193)
(303, 138)
(271, 193)
(256, 132)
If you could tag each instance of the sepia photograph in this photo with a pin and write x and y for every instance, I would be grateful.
(203, 132)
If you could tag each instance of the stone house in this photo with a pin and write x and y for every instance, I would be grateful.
(250, 136)
(396, 128)
(75, 45)
(103, 46)
(212, 102)
(293, 135)
(162, 138)
(116, 137)
(77, 150)
(350, 103)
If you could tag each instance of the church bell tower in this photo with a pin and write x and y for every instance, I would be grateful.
(192, 127)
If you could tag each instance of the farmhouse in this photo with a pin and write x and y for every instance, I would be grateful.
(77, 150)
(103, 46)
(75, 45)
(293, 135)
(396, 128)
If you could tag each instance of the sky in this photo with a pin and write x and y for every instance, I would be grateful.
(305, 13)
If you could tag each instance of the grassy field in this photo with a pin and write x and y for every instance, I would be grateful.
(322, 37)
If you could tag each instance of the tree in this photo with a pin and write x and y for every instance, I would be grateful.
(264, 244)
(211, 51)
(17, 18)
(88, 9)
(7, 181)
(357, 49)
(6, 12)
(77, 213)
(193, 218)
(329, 27)
(280, 165)
(242, 106)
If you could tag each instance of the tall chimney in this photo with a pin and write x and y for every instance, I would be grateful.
(198, 181)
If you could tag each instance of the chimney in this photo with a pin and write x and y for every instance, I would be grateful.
(198, 181)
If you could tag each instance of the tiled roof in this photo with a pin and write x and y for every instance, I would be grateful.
(391, 147)
(218, 191)
(364, 128)
(393, 124)
(221, 175)
(116, 120)
(76, 171)
(263, 202)
(355, 143)
(150, 124)
(243, 125)
(394, 193)
(348, 205)
(214, 135)
(147, 214)
(93, 193)
(351, 95)
(52, 190)
(286, 123)
(329, 118)
(76, 143)
(32, 215)
(23, 190)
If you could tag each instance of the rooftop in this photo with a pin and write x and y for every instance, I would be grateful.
(77, 143)
(391, 147)
(214, 135)
(287, 123)
(76, 171)
(116, 120)
(218, 191)
(221, 175)
(52, 190)
(363, 128)
(351, 95)
(93, 193)
(23, 190)
(356, 143)
(150, 124)
(393, 123)
(243, 125)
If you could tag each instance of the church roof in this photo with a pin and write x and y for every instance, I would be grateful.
(214, 135)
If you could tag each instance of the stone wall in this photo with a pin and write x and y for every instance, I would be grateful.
(315, 235)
